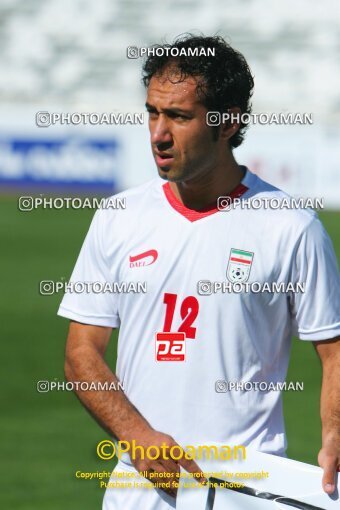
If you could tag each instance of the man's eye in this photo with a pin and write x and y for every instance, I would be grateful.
(177, 116)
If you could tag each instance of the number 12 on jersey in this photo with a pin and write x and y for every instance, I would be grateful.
(188, 311)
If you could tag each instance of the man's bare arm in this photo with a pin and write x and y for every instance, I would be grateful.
(329, 455)
(84, 361)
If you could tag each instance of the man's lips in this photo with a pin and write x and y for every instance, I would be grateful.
(163, 158)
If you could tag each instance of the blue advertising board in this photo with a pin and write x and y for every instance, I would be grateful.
(63, 162)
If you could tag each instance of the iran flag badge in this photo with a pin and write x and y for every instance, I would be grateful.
(239, 265)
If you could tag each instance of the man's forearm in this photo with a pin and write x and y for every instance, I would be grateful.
(330, 400)
(329, 455)
(112, 409)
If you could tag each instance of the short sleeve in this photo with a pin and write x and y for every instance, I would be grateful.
(316, 312)
(95, 308)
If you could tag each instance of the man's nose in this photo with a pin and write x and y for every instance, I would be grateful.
(159, 131)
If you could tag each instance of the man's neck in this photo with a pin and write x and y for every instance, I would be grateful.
(204, 190)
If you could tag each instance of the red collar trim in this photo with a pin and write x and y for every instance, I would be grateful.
(193, 214)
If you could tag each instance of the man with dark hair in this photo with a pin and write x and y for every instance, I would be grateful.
(223, 81)
(181, 337)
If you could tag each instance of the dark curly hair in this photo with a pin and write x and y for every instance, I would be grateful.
(224, 80)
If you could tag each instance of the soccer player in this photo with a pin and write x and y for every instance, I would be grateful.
(172, 235)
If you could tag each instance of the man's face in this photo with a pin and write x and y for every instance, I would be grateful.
(182, 143)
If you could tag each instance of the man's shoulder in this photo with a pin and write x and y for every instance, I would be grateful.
(131, 201)
(281, 208)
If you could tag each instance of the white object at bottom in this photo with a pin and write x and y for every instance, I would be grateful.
(287, 480)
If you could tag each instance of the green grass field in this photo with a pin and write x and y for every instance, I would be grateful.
(47, 437)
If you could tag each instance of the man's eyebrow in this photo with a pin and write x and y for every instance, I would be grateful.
(149, 106)
(175, 109)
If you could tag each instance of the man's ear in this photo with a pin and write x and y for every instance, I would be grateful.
(231, 122)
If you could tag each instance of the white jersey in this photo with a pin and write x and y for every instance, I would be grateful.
(217, 334)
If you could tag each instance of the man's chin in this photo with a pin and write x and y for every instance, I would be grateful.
(168, 174)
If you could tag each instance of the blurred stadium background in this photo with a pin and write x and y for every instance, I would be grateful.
(70, 56)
